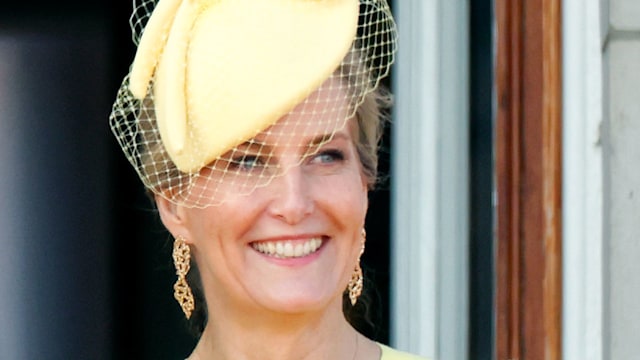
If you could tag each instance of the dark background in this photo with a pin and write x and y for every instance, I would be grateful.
(93, 261)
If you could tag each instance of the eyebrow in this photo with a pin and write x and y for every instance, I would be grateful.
(317, 140)
(253, 145)
(325, 138)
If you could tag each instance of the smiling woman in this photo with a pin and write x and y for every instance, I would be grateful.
(256, 125)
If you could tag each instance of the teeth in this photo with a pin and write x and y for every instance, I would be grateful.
(297, 251)
(287, 249)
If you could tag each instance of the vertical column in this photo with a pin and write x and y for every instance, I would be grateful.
(54, 194)
(429, 300)
(582, 181)
(528, 180)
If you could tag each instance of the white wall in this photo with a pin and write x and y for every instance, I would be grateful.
(601, 214)
(622, 179)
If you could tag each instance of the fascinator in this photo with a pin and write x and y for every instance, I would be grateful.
(209, 75)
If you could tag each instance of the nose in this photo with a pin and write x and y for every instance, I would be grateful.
(292, 200)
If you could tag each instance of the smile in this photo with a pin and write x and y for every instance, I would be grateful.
(288, 249)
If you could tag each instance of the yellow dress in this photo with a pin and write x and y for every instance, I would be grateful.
(392, 354)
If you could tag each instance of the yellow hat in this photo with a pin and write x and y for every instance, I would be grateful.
(211, 74)
(263, 57)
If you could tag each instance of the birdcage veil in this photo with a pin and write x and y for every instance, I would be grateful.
(208, 79)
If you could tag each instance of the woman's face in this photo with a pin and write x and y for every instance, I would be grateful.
(291, 245)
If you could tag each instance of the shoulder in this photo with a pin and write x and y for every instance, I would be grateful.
(392, 354)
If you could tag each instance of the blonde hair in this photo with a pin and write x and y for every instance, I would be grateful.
(371, 119)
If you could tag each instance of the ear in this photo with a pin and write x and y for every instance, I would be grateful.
(173, 217)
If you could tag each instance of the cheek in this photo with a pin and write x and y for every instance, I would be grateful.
(211, 226)
(204, 228)
(360, 190)
(345, 198)
(219, 232)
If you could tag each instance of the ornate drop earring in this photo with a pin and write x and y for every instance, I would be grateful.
(182, 262)
(356, 283)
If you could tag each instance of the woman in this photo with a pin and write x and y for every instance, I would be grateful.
(255, 124)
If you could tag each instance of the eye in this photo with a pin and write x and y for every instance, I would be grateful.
(246, 162)
(329, 156)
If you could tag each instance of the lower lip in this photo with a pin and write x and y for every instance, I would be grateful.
(294, 261)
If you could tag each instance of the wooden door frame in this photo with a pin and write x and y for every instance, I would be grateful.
(528, 160)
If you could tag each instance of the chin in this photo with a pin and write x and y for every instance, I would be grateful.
(300, 304)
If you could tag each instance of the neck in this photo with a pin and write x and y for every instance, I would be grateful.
(265, 336)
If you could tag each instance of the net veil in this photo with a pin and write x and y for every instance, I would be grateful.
(212, 162)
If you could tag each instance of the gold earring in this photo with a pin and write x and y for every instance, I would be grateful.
(182, 262)
(356, 283)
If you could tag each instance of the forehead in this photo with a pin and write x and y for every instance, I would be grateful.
(324, 112)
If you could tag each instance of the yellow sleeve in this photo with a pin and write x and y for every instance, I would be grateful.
(392, 354)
